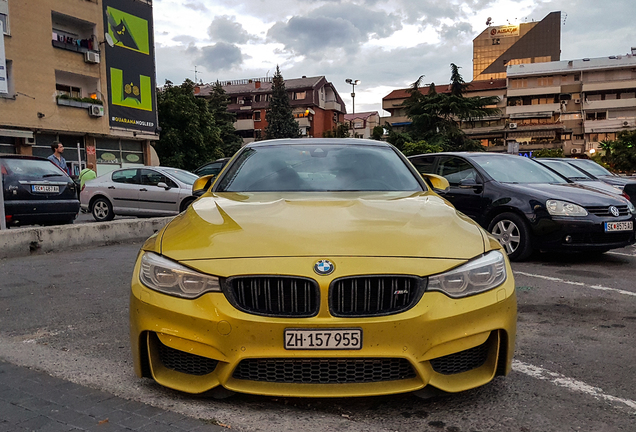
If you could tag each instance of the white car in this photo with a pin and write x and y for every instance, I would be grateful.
(146, 191)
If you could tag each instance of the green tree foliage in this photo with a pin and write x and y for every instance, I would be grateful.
(548, 153)
(224, 120)
(420, 147)
(279, 116)
(377, 133)
(436, 117)
(620, 155)
(189, 135)
(341, 130)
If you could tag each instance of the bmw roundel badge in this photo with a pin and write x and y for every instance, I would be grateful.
(614, 211)
(324, 267)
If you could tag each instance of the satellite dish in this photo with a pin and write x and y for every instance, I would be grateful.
(489, 21)
(109, 40)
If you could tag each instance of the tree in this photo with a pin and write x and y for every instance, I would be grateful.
(548, 153)
(620, 155)
(224, 120)
(377, 133)
(341, 130)
(436, 117)
(420, 147)
(189, 136)
(279, 116)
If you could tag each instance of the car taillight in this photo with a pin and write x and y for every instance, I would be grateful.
(626, 196)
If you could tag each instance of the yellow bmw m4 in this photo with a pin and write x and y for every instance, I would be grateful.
(322, 268)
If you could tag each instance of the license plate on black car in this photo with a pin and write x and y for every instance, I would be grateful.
(619, 226)
(44, 188)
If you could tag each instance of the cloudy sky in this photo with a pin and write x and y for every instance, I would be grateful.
(386, 44)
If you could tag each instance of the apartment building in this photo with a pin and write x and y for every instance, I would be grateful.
(572, 104)
(490, 131)
(361, 124)
(80, 72)
(315, 102)
(531, 42)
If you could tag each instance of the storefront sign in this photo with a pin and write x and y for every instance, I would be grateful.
(130, 65)
(504, 31)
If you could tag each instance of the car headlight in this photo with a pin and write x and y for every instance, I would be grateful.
(474, 277)
(169, 277)
(564, 208)
(631, 207)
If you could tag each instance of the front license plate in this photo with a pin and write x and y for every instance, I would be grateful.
(44, 188)
(619, 226)
(323, 339)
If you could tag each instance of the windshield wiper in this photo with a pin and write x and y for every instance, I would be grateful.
(51, 175)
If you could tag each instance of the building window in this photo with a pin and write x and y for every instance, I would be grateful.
(72, 34)
(62, 89)
(299, 95)
(257, 116)
(4, 16)
(545, 81)
(358, 124)
(519, 83)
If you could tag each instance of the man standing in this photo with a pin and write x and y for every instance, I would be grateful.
(57, 157)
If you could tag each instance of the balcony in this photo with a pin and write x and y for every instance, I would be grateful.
(245, 124)
(534, 91)
(303, 122)
(332, 105)
(72, 34)
(529, 110)
(609, 85)
(610, 125)
(613, 103)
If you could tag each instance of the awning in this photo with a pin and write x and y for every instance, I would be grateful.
(532, 134)
(16, 133)
(539, 114)
(401, 124)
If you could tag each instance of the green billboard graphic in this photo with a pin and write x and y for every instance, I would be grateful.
(130, 65)
(132, 91)
(128, 31)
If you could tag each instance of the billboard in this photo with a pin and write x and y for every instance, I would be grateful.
(504, 31)
(130, 65)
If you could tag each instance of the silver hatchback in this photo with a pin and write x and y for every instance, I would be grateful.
(144, 191)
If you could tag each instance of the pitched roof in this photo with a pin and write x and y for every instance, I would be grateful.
(473, 86)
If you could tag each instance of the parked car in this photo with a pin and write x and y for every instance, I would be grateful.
(574, 175)
(146, 191)
(528, 207)
(211, 167)
(591, 168)
(322, 268)
(36, 191)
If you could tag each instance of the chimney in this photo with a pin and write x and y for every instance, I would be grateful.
(257, 84)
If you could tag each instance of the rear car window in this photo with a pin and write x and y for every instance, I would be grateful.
(30, 168)
(125, 176)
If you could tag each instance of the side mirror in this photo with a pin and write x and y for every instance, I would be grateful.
(163, 185)
(470, 183)
(438, 183)
(202, 184)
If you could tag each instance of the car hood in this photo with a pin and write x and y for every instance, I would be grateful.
(230, 225)
(570, 192)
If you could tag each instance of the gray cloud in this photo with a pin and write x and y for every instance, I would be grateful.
(366, 20)
(225, 28)
(184, 39)
(220, 56)
(197, 6)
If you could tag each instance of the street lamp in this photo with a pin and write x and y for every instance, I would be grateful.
(353, 83)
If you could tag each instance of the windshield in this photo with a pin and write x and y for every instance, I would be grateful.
(31, 168)
(566, 170)
(183, 176)
(318, 167)
(517, 169)
(590, 166)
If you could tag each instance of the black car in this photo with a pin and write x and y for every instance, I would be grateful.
(528, 207)
(592, 169)
(36, 191)
(211, 167)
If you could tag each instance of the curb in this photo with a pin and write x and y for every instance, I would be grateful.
(20, 242)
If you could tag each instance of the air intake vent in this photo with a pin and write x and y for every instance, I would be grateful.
(373, 295)
(274, 295)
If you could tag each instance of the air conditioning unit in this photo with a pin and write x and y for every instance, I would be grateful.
(96, 111)
(29, 141)
(241, 101)
(91, 57)
(625, 124)
(575, 151)
(577, 101)
(512, 125)
(564, 102)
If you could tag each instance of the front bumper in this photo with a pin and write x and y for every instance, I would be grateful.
(581, 234)
(196, 345)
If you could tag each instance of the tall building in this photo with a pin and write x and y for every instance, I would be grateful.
(500, 46)
(82, 73)
(572, 104)
(315, 102)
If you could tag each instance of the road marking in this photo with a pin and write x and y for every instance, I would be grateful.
(581, 284)
(569, 383)
(621, 254)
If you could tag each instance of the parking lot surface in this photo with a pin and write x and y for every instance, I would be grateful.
(65, 319)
